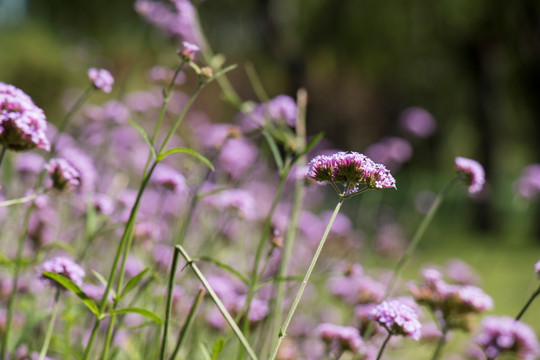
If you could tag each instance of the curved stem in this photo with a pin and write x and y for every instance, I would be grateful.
(188, 322)
(285, 326)
(50, 329)
(440, 344)
(381, 350)
(528, 303)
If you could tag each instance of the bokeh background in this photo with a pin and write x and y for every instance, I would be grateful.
(474, 66)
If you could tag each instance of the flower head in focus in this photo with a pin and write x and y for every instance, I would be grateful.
(503, 334)
(474, 173)
(188, 51)
(350, 169)
(101, 79)
(22, 123)
(397, 318)
(62, 266)
(63, 175)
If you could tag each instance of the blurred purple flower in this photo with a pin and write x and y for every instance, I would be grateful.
(528, 185)
(474, 172)
(143, 101)
(238, 200)
(417, 121)
(537, 269)
(390, 240)
(63, 266)
(281, 109)
(84, 164)
(103, 204)
(237, 156)
(169, 179)
(391, 151)
(95, 292)
(397, 318)
(163, 75)
(101, 79)
(461, 273)
(503, 334)
(340, 338)
(355, 287)
(22, 123)
(29, 164)
(188, 51)
(63, 175)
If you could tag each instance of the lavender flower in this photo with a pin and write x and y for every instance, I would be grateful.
(340, 338)
(350, 169)
(281, 109)
(22, 123)
(63, 175)
(63, 266)
(417, 121)
(474, 173)
(237, 200)
(537, 269)
(528, 185)
(168, 178)
(503, 334)
(188, 51)
(101, 79)
(397, 318)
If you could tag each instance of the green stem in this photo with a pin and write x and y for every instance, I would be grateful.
(529, 302)
(168, 307)
(381, 350)
(417, 237)
(20, 200)
(284, 327)
(189, 321)
(2, 155)
(298, 197)
(218, 302)
(50, 329)
(440, 344)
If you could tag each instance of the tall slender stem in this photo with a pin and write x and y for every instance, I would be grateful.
(50, 329)
(529, 302)
(2, 155)
(441, 342)
(189, 321)
(218, 302)
(285, 326)
(168, 307)
(418, 236)
(381, 350)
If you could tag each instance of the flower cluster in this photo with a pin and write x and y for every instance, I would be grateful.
(63, 266)
(474, 173)
(188, 51)
(101, 79)
(63, 175)
(350, 169)
(340, 338)
(452, 302)
(397, 318)
(528, 184)
(280, 110)
(22, 123)
(503, 334)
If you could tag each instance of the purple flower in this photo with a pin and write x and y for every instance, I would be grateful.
(22, 123)
(528, 185)
(188, 51)
(350, 169)
(237, 200)
(355, 287)
(63, 266)
(474, 173)
(392, 151)
(537, 269)
(170, 179)
(417, 121)
(397, 318)
(101, 79)
(237, 156)
(29, 164)
(63, 175)
(282, 108)
(503, 334)
(341, 338)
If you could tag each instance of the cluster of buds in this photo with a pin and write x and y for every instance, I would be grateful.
(397, 318)
(473, 172)
(352, 170)
(63, 175)
(340, 338)
(451, 303)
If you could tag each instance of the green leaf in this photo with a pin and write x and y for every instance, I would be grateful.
(144, 135)
(4, 260)
(225, 267)
(226, 70)
(133, 282)
(134, 310)
(191, 152)
(74, 288)
(205, 350)
(218, 348)
(309, 146)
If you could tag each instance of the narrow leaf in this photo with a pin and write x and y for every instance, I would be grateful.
(225, 70)
(186, 151)
(218, 348)
(134, 281)
(205, 350)
(74, 288)
(134, 310)
(225, 267)
(144, 135)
